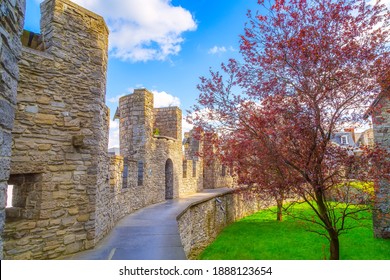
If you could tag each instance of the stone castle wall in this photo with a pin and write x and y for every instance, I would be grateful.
(381, 125)
(11, 26)
(60, 137)
(192, 177)
(147, 153)
(217, 176)
(201, 223)
(137, 176)
(168, 121)
(68, 194)
(192, 166)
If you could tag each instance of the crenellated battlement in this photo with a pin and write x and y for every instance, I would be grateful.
(67, 192)
(60, 136)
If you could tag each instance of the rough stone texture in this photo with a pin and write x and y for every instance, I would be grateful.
(68, 194)
(192, 165)
(168, 121)
(116, 173)
(60, 137)
(366, 138)
(381, 125)
(11, 26)
(138, 176)
(201, 223)
(140, 146)
(216, 175)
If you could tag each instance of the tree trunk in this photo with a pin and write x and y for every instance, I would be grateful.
(279, 214)
(333, 234)
(334, 245)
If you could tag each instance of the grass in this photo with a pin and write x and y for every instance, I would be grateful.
(260, 236)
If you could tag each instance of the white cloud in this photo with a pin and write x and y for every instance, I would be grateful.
(115, 99)
(113, 140)
(217, 50)
(220, 50)
(163, 99)
(143, 30)
(186, 126)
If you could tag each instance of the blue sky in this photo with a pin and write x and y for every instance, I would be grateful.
(163, 45)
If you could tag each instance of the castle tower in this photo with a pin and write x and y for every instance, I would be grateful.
(11, 22)
(136, 123)
(59, 154)
(136, 119)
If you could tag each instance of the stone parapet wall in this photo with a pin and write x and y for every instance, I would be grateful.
(193, 181)
(201, 223)
(168, 121)
(214, 177)
(116, 173)
(381, 125)
(60, 137)
(136, 124)
(113, 202)
(193, 169)
(11, 26)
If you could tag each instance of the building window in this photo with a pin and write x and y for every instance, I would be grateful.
(10, 190)
(193, 168)
(140, 173)
(23, 196)
(223, 170)
(124, 176)
(184, 169)
(344, 140)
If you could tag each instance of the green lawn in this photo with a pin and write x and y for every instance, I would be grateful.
(260, 236)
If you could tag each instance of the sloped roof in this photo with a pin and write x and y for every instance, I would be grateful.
(336, 138)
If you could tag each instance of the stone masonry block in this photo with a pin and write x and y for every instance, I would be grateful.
(7, 113)
(5, 143)
(4, 168)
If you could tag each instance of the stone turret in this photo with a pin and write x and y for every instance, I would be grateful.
(150, 142)
(11, 26)
(59, 165)
(136, 124)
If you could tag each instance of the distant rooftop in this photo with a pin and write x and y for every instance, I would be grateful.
(114, 151)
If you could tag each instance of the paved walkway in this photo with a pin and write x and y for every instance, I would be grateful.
(150, 233)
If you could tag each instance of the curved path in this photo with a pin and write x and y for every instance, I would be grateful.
(150, 233)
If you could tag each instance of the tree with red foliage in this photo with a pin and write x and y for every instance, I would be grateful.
(309, 68)
(256, 167)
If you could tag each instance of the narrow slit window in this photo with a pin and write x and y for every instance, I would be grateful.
(223, 170)
(125, 175)
(10, 190)
(184, 169)
(140, 173)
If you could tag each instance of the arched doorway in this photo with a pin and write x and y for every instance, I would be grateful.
(169, 179)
